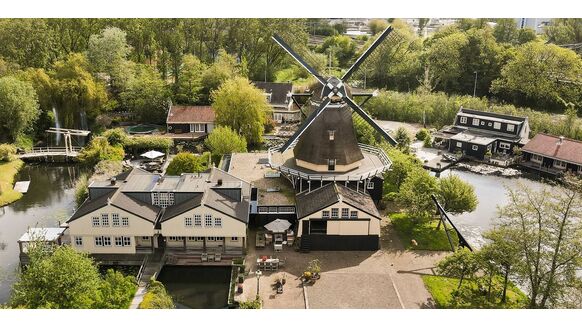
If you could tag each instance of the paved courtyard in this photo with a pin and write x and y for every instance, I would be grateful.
(388, 278)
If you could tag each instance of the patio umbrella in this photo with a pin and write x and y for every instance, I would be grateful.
(278, 226)
(152, 154)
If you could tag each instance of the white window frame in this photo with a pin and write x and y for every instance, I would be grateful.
(175, 238)
(115, 219)
(560, 164)
(325, 214)
(118, 241)
(125, 221)
(197, 127)
(188, 222)
(105, 219)
(197, 220)
(96, 221)
(195, 239)
(211, 238)
(331, 135)
(353, 214)
(79, 241)
(345, 213)
(475, 147)
(106, 241)
(126, 241)
(511, 127)
(497, 125)
(218, 222)
(99, 241)
(463, 120)
(335, 213)
(504, 145)
(208, 220)
(537, 158)
(233, 238)
(459, 144)
(475, 122)
(370, 185)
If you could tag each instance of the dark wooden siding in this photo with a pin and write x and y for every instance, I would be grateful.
(178, 128)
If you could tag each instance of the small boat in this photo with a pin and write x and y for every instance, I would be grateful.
(449, 158)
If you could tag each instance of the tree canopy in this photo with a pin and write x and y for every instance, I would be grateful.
(19, 107)
(224, 140)
(188, 163)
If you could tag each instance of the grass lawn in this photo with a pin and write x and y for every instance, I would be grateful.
(8, 171)
(425, 234)
(441, 288)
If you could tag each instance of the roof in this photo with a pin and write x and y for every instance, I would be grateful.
(90, 205)
(183, 207)
(44, 234)
(474, 138)
(500, 117)
(547, 145)
(190, 114)
(141, 209)
(320, 198)
(278, 91)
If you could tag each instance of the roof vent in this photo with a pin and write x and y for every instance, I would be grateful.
(219, 182)
(560, 141)
(113, 180)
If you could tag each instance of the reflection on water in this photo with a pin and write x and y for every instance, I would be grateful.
(492, 193)
(200, 287)
(49, 200)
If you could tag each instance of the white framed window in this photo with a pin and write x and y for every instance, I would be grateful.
(536, 158)
(155, 198)
(79, 241)
(345, 213)
(188, 222)
(211, 238)
(145, 238)
(96, 221)
(475, 147)
(126, 241)
(476, 122)
(559, 164)
(335, 213)
(219, 238)
(118, 241)
(463, 120)
(331, 164)
(125, 222)
(497, 125)
(163, 199)
(197, 220)
(99, 241)
(459, 144)
(115, 219)
(105, 219)
(504, 145)
(510, 127)
(331, 134)
(286, 209)
(175, 238)
(233, 238)
(325, 214)
(353, 214)
(197, 127)
(370, 185)
(195, 238)
(483, 123)
(208, 220)
(218, 222)
(106, 241)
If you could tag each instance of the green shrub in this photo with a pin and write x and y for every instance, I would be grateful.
(188, 163)
(117, 290)
(427, 141)
(149, 143)
(7, 152)
(98, 150)
(116, 137)
(224, 140)
(157, 297)
(24, 141)
(81, 189)
(422, 134)
(254, 304)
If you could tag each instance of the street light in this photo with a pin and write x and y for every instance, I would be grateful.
(259, 274)
(475, 86)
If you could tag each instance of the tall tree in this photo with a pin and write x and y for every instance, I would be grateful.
(224, 68)
(456, 195)
(224, 140)
(565, 31)
(27, 42)
(415, 191)
(241, 106)
(19, 107)
(108, 52)
(189, 88)
(146, 95)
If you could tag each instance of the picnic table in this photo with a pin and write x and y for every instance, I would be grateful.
(267, 264)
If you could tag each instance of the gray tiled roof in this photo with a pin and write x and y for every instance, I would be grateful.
(90, 205)
(184, 206)
(318, 199)
(139, 208)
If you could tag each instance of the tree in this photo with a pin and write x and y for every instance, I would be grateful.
(377, 25)
(443, 57)
(187, 163)
(117, 290)
(189, 87)
(341, 46)
(27, 42)
(506, 30)
(98, 150)
(241, 106)
(156, 297)
(502, 253)
(57, 279)
(542, 74)
(116, 137)
(403, 139)
(223, 69)
(108, 49)
(564, 31)
(415, 191)
(456, 196)
(146, 95)
(19, 107)
(224, 140)
(543, 229)
(461, 264)
(402, 166)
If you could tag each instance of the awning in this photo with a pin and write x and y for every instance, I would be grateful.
(152, 154)
(278, 226)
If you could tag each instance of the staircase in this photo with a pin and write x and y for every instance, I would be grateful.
(305, 244)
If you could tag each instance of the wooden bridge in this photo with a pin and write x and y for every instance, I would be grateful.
(56, 153)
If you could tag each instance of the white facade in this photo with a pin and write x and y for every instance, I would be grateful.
(359, 224)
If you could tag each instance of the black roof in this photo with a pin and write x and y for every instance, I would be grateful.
(277, 90)
(314, 145)
(90, 205)
(182, 207)
(331, 193)
(492, 114)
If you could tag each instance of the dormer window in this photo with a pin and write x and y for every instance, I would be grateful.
(476, 122)
(463, 120)
(331, 164)
(331, 134)
(268, 96)
(510, 127)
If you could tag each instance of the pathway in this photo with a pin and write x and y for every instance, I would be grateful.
(152, 268)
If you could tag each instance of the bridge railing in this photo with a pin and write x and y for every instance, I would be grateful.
(43, 150)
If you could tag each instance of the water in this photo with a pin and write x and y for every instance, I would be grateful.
(197, 287)
(492, 193)
(50, 199)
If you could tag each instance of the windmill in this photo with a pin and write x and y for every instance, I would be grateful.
(326, 141)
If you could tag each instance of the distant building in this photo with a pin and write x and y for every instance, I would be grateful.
(279, 96)
(475, 133)
(189, 122)
(335, 217)
(536, 24)
(553, 154)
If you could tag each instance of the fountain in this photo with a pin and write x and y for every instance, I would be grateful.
(57, 125)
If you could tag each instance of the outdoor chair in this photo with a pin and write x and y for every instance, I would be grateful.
(204, 257)
(217, 257)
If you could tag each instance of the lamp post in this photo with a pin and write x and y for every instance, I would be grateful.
(475, 85)
(259, 274)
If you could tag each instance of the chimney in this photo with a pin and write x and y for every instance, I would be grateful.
(219, 182)
(113, 180)
(560, 141)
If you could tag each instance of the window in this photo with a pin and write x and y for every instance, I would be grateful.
(197, 220)
(504, 145)
(345, 212)
(318, 227)
(483, 123)
(208, 220)
(559, 164)
(331, 134)
(188, 222)
(105, 219)
(197, 127)
(233, 238)
(106, 241)
(476, 122)
(155, 198)
(475, 147)
(215, 238)
(99, 241)
(325, 214)
(125, 222)
(331, 164)
(79, 241)
(163, 199)
(497, 126)
(118, 241)
(510, 127)
(353, 214)
(145, 238)
(126, 241)
(459, 144)
(218, 222)
(370, 185)
(195, 238)
(286, 209)
(536, 158)
(335, 213)
(175, 238)
(463, 120)
(95, 221)
(115, 219)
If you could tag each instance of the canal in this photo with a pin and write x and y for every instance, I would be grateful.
(49, 200)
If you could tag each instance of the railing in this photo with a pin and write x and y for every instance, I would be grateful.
(45, 150)
(141, 269)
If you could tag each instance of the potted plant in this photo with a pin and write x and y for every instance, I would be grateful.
(314, 268)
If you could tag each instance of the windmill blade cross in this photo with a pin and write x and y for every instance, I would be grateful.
(367, 53)
(306, 124)
(298, 58)
(370, 120)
